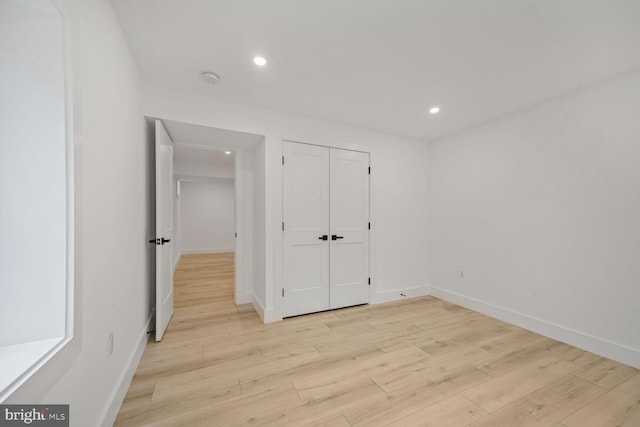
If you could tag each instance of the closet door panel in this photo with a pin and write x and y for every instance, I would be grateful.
(306, 220)
(349, 220)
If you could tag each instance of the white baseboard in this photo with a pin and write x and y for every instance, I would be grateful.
(267, 315)
(110, 412)
(207, 251)
(243, 299)
(600, 346)
(398, 294)
(257, 305)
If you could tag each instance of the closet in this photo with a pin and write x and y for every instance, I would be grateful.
(325, 228)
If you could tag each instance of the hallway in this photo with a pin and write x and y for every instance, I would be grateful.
(170, 378)
(421, 361)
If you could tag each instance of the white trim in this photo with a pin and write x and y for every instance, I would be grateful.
(110, 411)
(19, 358)
(207, 251)
(242, 248)
(243, 299)
(40, 376)
(597, 345)
(257, 305)
(267, 315)
(395, 294)
(177, 261)
(270, 316)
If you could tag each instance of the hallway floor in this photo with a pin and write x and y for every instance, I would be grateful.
(416, 362)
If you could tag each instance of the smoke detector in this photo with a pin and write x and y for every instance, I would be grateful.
(210, 77)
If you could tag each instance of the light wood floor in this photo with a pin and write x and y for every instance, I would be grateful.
(418, 362)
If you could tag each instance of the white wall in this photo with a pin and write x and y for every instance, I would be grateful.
(541, 211)
(113, 292)
(207, 221)
(398, 182)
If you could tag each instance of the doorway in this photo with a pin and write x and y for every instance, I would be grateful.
(204, 204)
(214, 190)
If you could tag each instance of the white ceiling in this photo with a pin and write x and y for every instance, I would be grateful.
(189, 154)
(207, 145)
(190, 134)
(380, 64)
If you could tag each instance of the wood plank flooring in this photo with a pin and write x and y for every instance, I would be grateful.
(417, 362)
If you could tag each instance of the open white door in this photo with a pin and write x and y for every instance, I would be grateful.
(349, 218)
(305, 228)
(164, 229)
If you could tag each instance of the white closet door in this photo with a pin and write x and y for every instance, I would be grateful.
(349, 219)
(306, 221)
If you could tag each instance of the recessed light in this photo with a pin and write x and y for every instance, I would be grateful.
(434, 110)
(260, 61)
(210, 77)
(227, 152)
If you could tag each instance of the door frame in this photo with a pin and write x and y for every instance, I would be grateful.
(277, 291)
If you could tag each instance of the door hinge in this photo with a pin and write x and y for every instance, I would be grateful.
(369, 281)
(369, 170)
(282, 292)
(369, 226)
(283, 160)
(282, 225)
(236, 234)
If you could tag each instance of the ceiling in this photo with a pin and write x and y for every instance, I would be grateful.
(188, 154)
(381, 64)
(207, 145)
(222, 139)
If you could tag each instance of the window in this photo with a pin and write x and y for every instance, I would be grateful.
(36, 197)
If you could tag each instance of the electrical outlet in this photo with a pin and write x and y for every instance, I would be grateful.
(462, 274)
(110, 344)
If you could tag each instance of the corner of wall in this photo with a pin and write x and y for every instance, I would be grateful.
(258, 306)
(399, 294)
(266, 315)
(244, 299)
(600, 346)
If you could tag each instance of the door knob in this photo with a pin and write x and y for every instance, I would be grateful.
(323, 237)
(163, 241)
(334, 237)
